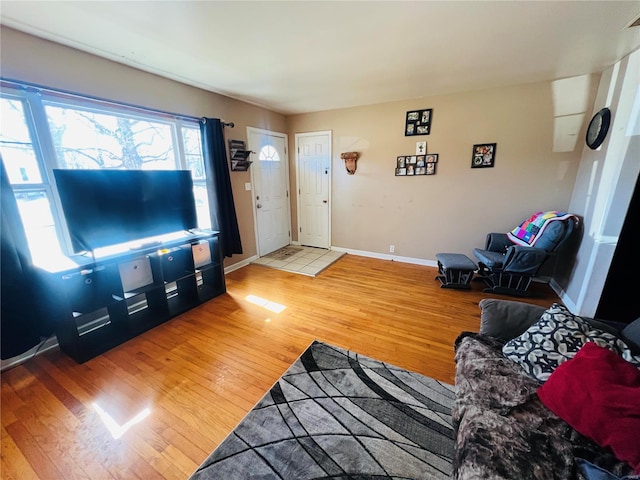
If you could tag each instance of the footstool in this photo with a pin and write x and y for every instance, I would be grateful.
(456, 270)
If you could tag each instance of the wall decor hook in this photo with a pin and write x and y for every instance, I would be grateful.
(350, 161)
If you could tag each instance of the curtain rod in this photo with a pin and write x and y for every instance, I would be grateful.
(19, 84)
(224, 124)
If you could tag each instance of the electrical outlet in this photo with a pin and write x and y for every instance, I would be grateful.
(247, 186)
(392, 248)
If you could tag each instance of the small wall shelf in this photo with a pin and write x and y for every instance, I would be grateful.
(239, 155)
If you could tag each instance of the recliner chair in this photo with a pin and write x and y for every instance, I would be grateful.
(510, 261)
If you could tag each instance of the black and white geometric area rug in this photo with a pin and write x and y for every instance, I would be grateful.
(340, 415)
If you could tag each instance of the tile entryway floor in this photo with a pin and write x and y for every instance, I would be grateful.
(306, 261)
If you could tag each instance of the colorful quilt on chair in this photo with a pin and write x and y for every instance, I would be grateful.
(529, 231)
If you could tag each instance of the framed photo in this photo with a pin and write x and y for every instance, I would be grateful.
(484, 155)
(430, 169)
(400, 172)
(401, 162)
(418, 122)
(432, 158)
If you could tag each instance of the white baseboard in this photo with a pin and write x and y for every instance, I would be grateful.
(240, 264)
(49, 343)
(385, 256)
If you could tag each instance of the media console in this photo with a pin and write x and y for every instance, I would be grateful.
(99, 303)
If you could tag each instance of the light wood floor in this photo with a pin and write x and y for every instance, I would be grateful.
(196, 376)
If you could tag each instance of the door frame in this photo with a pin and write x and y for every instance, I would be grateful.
(297, 150)
(262, 131)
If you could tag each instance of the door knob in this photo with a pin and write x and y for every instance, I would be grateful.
(324, 201)
(259, 206)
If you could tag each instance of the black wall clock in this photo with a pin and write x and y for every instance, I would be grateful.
(598, 128)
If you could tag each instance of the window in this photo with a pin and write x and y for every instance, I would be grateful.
(43, 129)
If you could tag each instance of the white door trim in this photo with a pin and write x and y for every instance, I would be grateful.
(312, 134)
(251, 130)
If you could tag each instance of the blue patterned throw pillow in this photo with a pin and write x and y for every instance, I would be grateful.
(556, 338)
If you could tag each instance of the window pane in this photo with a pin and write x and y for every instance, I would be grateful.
(195, 163)
(16, 146)
(86, 139)
(193, 152)
(202, 206)
(35, 210)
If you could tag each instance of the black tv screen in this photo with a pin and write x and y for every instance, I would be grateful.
(109, 207)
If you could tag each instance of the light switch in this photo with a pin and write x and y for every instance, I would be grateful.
(247, 186)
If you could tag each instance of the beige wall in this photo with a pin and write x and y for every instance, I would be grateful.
(453, 210)
(30, 59)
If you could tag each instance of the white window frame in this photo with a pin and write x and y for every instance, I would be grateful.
(34, 100)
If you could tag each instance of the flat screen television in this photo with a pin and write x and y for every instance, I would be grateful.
(109, 207)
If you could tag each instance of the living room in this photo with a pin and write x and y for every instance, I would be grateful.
(381, 206)
(373, 208)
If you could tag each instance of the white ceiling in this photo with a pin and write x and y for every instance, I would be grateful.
(306, 56)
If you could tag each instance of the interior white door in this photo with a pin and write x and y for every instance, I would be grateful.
(270, 173)
(314, 182)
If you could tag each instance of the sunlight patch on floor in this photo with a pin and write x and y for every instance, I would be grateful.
(116, 430)
(264, 303)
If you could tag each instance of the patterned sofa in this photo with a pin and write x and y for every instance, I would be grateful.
(528, 362)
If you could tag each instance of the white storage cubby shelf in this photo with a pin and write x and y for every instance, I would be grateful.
(101, 303)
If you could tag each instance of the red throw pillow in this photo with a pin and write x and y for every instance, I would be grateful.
(598, 394)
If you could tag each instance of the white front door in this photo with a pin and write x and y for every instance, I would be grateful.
(270, 174)
(313, 156)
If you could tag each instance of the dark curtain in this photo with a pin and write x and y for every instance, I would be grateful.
(223, 210)
(21, 322)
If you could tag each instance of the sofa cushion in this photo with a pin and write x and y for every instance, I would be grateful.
(552, 236)
(506, 319)
(493, 260)
(598, 394)
(556, 338)
(606, 325)
(502, 427)
(631, 334)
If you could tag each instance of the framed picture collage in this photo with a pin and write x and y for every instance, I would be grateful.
(418, 122)
(416, 165)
